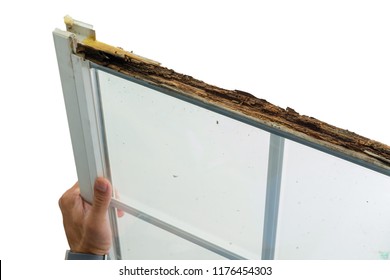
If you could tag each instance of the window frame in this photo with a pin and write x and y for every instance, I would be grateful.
(86, 125)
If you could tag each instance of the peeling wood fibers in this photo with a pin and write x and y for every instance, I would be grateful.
(239, 102)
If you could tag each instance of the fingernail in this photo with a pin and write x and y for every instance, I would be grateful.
(101, 187)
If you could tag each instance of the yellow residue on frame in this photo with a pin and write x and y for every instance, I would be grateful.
(86, 31)
(90, 42)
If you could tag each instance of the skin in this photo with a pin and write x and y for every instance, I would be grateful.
(87, 227)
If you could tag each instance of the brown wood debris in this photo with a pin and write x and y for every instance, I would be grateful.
(245, 104)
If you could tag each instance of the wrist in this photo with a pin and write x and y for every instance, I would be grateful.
(85, 246)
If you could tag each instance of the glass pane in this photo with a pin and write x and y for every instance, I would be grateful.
(331, 208)
(141, 240)
(191, 167)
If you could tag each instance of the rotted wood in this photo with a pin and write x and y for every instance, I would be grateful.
(243, 103)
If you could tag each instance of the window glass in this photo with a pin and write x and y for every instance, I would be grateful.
(142, 241)
(191, 167)
(331, 208)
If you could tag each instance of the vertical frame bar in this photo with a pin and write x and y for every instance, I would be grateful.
(82, 121)
(63, 41)
(85, 121)
(274, 178)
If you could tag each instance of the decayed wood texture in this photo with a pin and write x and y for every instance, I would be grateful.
(246, 104)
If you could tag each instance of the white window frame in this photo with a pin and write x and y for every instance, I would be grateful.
(85, 119)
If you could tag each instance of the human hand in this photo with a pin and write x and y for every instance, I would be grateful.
(87, 226)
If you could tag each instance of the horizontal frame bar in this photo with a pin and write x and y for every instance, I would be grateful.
(175, 230)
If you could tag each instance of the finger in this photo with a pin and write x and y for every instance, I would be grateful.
(101, 197)
(120, 213)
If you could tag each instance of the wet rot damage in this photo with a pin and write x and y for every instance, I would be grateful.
(244, 103)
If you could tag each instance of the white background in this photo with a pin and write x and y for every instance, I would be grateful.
(327, 59)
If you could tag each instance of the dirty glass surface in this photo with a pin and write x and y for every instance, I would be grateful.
(190, 167)
(206, 174)
(331, 208)
(143, 241)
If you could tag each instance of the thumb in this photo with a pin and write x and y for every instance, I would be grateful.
(102, 196)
